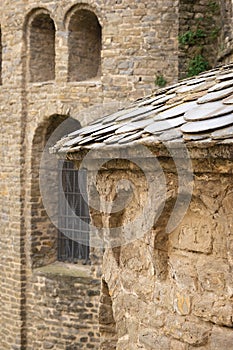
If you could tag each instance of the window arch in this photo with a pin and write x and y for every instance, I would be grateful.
(84, 45)
(60, 238)
(42, 48)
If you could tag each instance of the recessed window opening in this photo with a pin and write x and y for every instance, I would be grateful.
(84, 44)
(73, 235)
(42, 49)
(44, 204)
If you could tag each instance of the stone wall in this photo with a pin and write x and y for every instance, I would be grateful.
(63, 311)
(226, 41)
(172, 290)
(200, 32)
(139, 42)
(107, 324)
(205, 29)
(0, 56)
(35, 88)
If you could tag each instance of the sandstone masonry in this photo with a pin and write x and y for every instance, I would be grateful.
(41, 86)
(170, 290)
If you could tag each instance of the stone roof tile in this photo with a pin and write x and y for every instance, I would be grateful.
(199, 108)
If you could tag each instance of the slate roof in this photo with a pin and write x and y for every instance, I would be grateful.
(195, 109)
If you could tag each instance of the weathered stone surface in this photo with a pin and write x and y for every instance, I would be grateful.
(151, 340)
(212, 274)
(182, 307)
(177, 345)
(105, 316)
(194, 333)
(195, 16)
(210, 308)
(64, 313)
(182, 304)
(195, 235)
(221, 338)
(139, 42)
(183, 270)
(36, 88)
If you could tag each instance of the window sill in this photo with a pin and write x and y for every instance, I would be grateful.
(41, 83)
(60, 269)
(91, 82)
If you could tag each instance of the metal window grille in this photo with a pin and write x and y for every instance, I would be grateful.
(73, 233)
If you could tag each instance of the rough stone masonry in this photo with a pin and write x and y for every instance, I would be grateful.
(41, 43)
(167, 157)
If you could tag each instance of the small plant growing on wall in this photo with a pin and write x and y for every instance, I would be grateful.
(214, 33)
(213, 7)
(160, 81)
(197, 65)
(191, 37)
(198, 38)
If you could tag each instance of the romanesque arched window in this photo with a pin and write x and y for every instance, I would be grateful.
(0, 56)
(73, 218)
(59, 213)
(84, 43)
(42, 48)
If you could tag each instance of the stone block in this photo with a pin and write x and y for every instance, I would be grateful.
(152, 315)
(177, 345)
(108, 345)
(152, 340)
(183, 270)
(212, 274)
(203, 304)
(187, 330)
(194, 234)
(211, 308)
(221, 338)
(48, 345)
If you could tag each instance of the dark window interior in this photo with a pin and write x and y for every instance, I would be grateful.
(73, 234)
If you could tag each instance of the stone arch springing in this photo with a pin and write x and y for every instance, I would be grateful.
(106, 319)
(41, 47)
(43, 240)
(0, 55)
(84, 46)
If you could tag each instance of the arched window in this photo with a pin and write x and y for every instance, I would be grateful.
(0, 56)
(84, 43)
(42, 48)
(59, 214)
(73, 217)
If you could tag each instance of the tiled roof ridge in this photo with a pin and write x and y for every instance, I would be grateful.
(195, 109)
